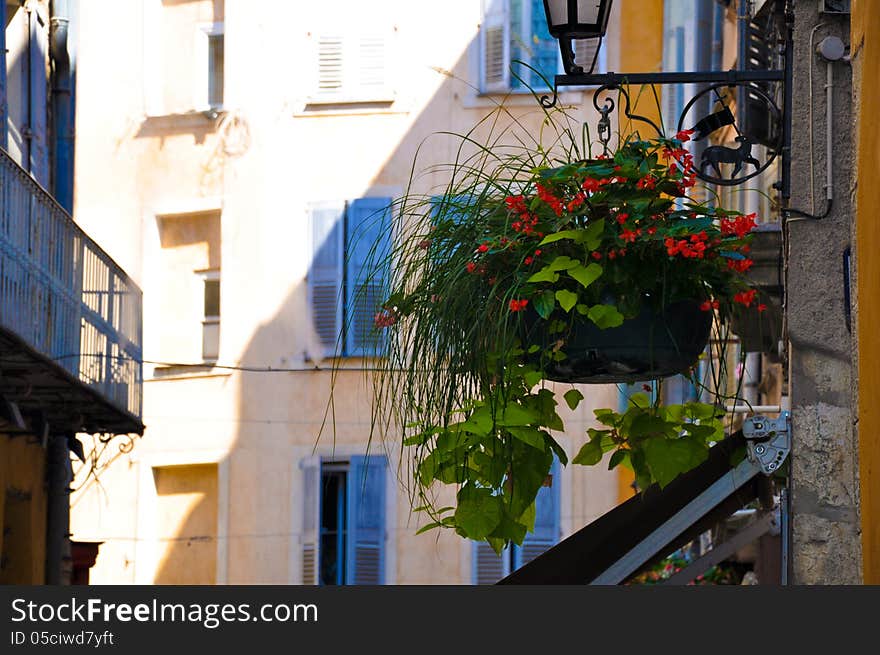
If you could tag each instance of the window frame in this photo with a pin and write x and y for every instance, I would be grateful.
(347, 270)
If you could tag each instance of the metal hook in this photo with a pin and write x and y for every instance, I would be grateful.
(604, 126)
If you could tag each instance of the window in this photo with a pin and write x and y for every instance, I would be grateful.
(215, 70)
(344, 301)
(516, 31)
(489, 568)
(211, 321)
(344, 527)
(351, 67)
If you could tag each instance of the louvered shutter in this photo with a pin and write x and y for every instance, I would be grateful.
(311, 513)
(365, 552)
(488, 567)
(547, 524)
(368, 239)
(372, 67)
(325, 275)
(331, 66)
(495, 47)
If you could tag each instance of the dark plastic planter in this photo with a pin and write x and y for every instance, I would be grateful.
(650, 346)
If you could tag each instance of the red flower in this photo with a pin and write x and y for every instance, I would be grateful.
(590, 185)
(518, 305)
(471, 267)
(652, 230)
(647, 182)
(628, 235)
(483, 248)
(740, 225)
(596, 255)
(745, 297)
(384, 319)
(547, 196)
(762, 307)
(528, 260)
(739, 265)
(706, 306)
(621, 218)
(683, 135)
(537, 253)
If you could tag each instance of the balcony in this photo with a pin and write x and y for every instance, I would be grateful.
(70, 320)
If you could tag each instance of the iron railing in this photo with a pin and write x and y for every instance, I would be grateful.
(64, 296)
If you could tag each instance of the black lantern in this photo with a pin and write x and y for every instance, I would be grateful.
(583, 21)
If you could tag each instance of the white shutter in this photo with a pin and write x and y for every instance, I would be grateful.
(353, 67)
(325, 275)
(311, 513)
(495, 47)
(331, 66)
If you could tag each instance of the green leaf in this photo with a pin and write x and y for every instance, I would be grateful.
(567, 299)
(478, 512)
(546, 274)
(563, 263)
(582, 309)
(618, 457)
(592, 236)
(572, 398)
(562, 234)
(532, 378)
(668, 458)
(589, 454)
(557, 449)
(544, 304)
(479, 422)
(531, 436)
(586, 275)
(605, 316)
(429, 526)
(517, 415)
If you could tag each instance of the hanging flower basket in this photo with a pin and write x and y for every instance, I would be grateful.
(544, 264)
(655, 344)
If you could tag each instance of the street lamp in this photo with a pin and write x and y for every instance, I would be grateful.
(577, 19)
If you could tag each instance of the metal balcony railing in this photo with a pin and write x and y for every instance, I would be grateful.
(63, 296)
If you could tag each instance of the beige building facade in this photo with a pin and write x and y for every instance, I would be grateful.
(214, 140)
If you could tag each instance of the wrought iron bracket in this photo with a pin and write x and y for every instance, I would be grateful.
(768, 440)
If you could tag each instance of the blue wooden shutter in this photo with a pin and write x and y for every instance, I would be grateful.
(489, 568)
(365, 551)
(311, 513)
(368, 240)
(547, 523)
(325, 275)
(495, 47)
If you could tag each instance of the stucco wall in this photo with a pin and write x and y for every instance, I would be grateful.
(825, 546)
(261, 166)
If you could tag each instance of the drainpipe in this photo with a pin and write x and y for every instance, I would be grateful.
(62, 105)
(3, 105)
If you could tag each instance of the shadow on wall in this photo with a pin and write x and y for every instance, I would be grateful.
(280, 414)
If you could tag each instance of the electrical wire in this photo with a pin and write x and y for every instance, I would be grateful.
(226, 367)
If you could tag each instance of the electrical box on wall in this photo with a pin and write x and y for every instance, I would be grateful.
(834, 6)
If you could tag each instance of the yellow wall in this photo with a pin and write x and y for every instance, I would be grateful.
(22, 510)
(866, 53)
(641, 22)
